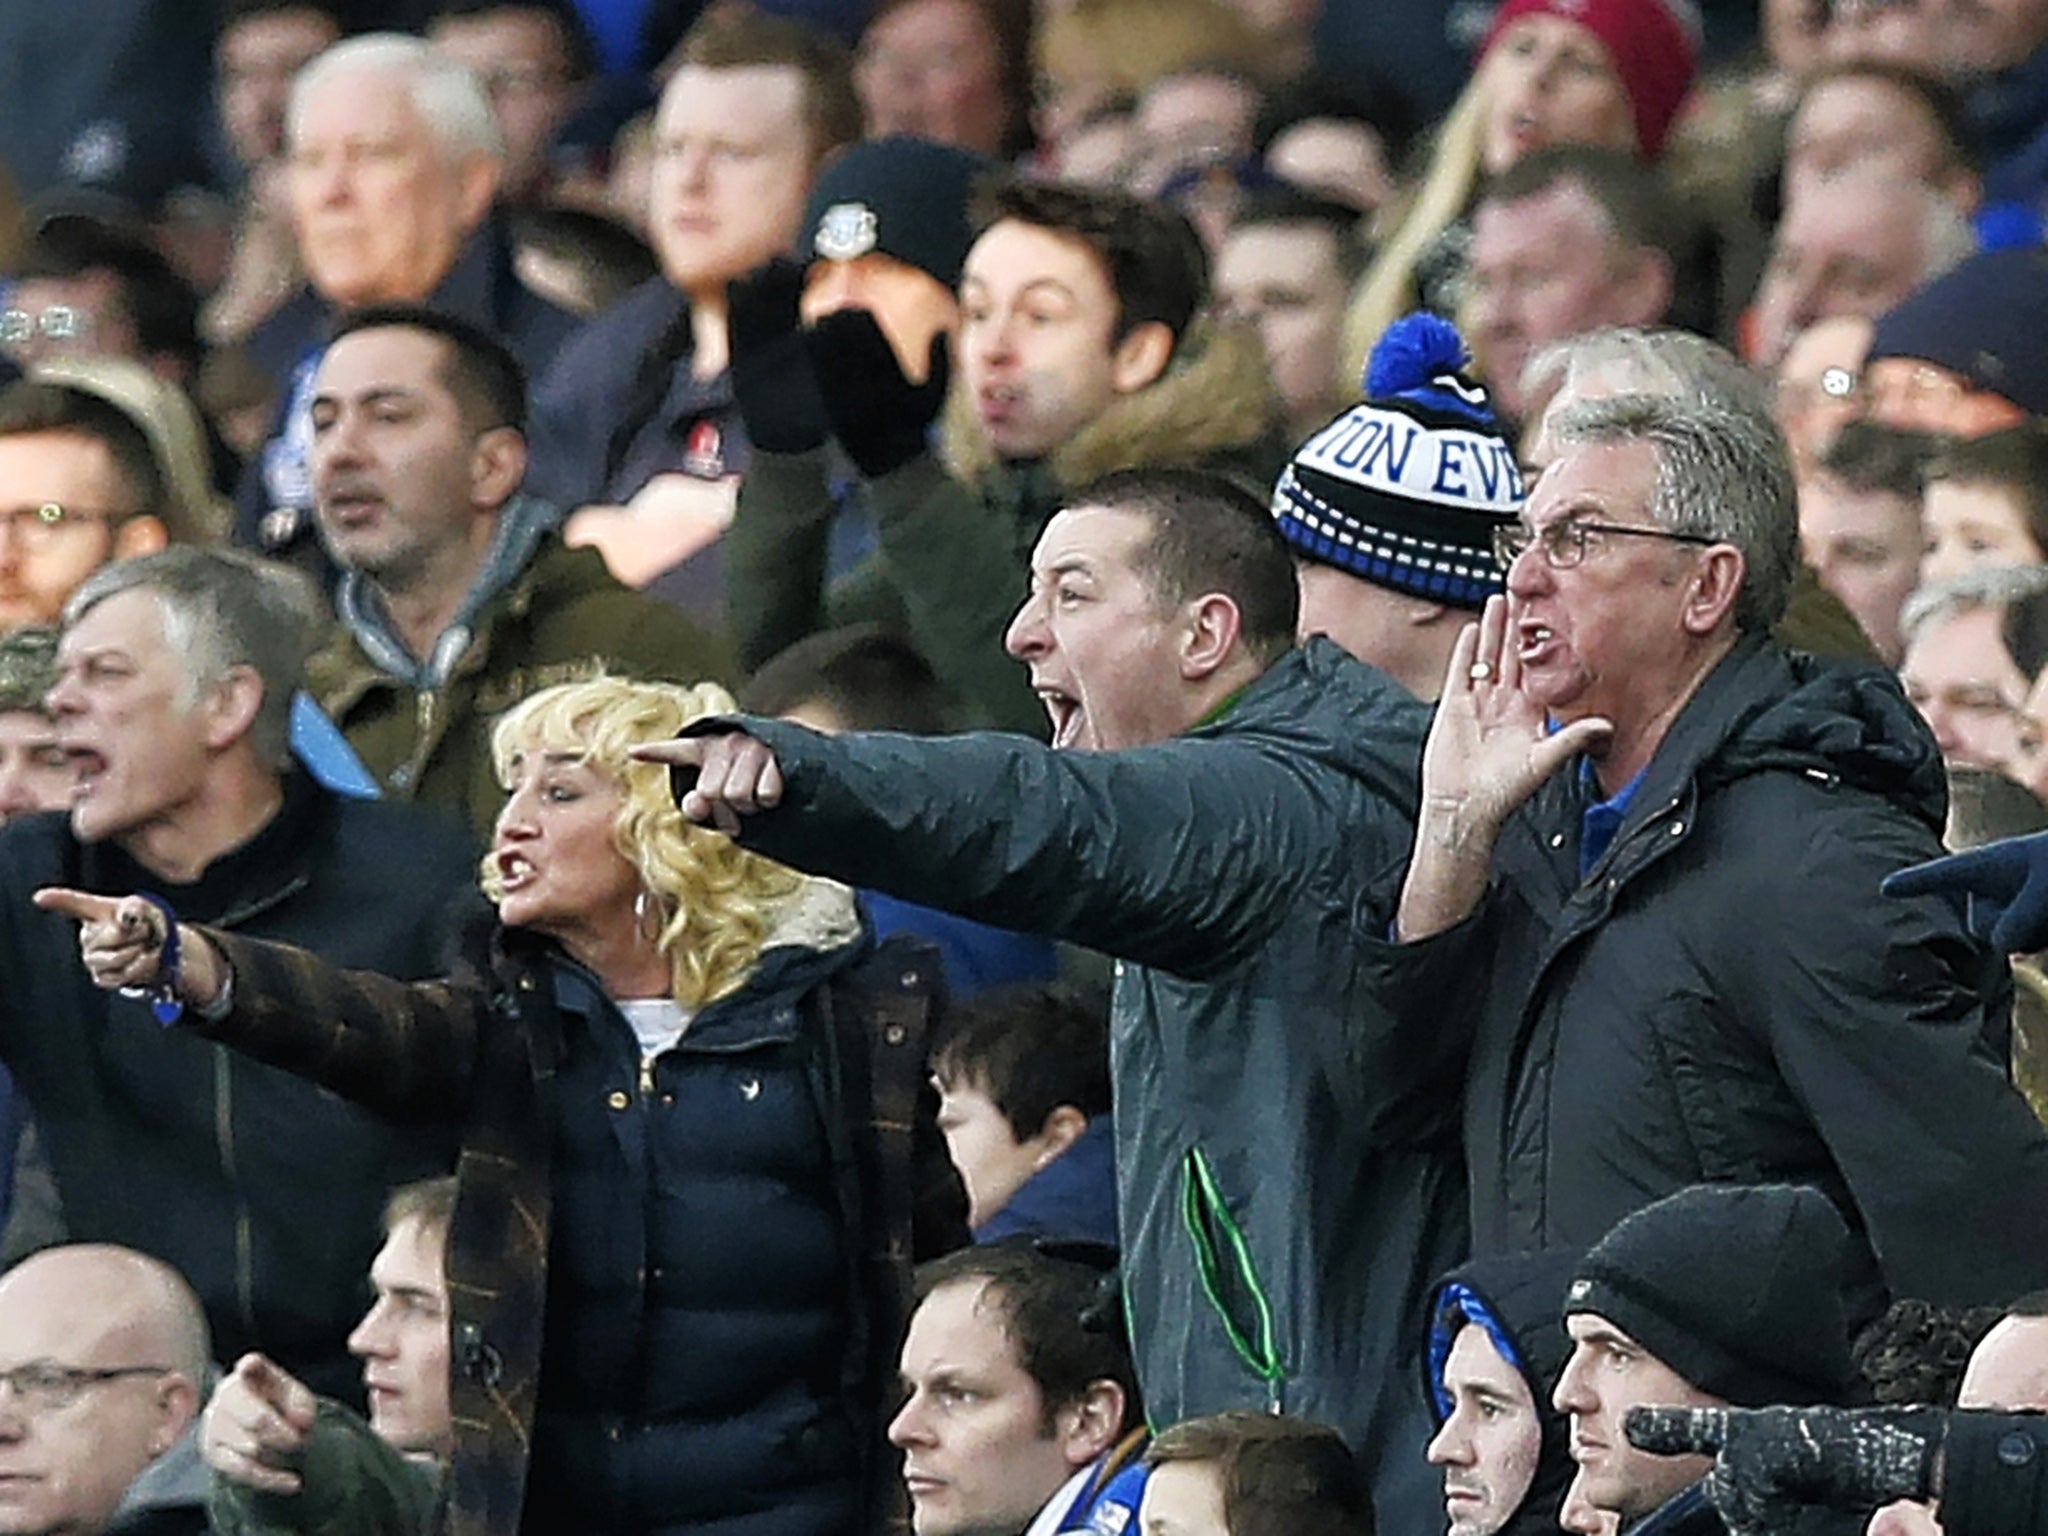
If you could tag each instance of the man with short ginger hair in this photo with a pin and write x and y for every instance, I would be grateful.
(634, 422)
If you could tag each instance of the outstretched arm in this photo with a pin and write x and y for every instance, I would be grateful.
(1178, 856)
(401, 1049)
(126, 944)
(1885, 1020)
(2003, 889)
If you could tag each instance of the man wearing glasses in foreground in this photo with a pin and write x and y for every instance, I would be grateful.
(103, 1368)
(1642, 926)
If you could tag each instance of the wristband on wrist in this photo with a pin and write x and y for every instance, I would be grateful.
(164, 1003)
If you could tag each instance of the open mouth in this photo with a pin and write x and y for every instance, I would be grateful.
(351, 504)
(1533, 642)
(515, 871)
(1065, 713)
(87, 767)
(998, 402)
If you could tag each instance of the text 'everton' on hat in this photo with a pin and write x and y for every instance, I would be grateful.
(1405, 490)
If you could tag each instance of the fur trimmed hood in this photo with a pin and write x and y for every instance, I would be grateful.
(819, 915)
(1215, 398)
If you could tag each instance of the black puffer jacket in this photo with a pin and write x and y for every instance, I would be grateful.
(1725, 996)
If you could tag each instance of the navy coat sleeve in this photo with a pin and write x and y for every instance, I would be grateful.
(1880, 1022)
(1995, 1475)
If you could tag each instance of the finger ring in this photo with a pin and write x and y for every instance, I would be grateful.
(1481, 671)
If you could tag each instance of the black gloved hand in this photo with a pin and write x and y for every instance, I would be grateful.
(1768, 1462)
(771, 368)
(2004, 887)
(880, 418)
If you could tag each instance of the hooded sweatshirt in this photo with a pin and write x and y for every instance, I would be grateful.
(1519, 1300)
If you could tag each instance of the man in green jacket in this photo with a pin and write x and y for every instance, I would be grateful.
(1079, 352)
(457, 598)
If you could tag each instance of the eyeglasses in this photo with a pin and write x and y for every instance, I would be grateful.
(60, 322)
(40, 523)
(1564, 543)
(43, 1386)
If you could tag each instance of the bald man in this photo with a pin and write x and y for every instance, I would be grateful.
(103, 1364)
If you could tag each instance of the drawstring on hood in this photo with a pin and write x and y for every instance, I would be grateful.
(522, 524)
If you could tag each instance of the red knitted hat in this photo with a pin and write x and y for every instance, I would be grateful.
(1653, 49)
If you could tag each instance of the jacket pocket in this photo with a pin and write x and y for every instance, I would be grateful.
(1230, 1279)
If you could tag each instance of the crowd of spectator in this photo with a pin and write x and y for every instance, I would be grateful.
(999, 767)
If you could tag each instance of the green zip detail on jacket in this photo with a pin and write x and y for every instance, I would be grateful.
(1213, 1230)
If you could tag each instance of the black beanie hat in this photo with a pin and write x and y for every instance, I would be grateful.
(897, 196)
(1738, 1288)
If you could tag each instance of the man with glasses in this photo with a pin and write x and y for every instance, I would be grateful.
(1642, 921)
(104, 1363)
(79, 486)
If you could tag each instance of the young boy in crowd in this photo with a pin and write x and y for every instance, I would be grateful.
(1023, 1080)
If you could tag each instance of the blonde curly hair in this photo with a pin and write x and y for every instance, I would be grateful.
(710, 904)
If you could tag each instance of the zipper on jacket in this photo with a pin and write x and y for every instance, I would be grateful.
(245, 1234)
(425, 710)
(1223, 1258)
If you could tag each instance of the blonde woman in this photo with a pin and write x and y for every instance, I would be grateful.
(687, 1081)
(1604, 72)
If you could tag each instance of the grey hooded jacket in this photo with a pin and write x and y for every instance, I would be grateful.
(1282, 1219)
